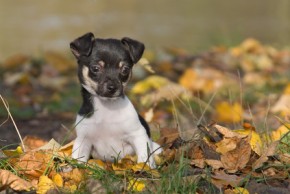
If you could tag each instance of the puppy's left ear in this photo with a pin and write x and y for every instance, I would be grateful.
(134, 47)
(83, 45)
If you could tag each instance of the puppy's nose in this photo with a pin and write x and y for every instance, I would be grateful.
(111, 88)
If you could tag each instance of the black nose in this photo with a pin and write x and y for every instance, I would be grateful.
(111, 88)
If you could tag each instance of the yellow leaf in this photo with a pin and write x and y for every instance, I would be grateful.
(44, 185)
(229, 113)
(98, 163)
(58, 180)
(282, 130)
(145, 168)
(287, 89)
(240, 190)
(136, 185)
(19, 150)
(141, 167)
(255, 141)
(9, 179)
(188, 78)
(152, 82)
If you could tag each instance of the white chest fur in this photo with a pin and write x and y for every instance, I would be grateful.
(113, 131)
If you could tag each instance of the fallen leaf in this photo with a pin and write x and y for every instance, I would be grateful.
(237, 190)
(278, 134)
(142, 167)
(229, 112)
(270, 151)
(66, 150)
(33, 142)
(167, 136)
(136, 185)
(8, 179)
(215, 164)
(58, 180)
(228, 133)
(33, 164)
(255, 140)
(51, 145)
(221, 179)
(237, 159)
(226, 145)
(44, 185)
(282, 106)
(152, 82)
(200, 163)
(240, 190)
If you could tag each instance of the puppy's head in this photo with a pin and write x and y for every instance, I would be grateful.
(105, 65)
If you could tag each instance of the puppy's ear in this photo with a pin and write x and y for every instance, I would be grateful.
(82, 45)
(134, 47)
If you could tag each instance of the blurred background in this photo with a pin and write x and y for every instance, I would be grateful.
(28, 26)
(190, 40)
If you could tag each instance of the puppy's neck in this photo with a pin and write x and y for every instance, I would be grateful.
(94, 102)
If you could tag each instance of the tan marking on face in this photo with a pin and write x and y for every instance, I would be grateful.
(121, 64)
(101, 63)
(89, 84)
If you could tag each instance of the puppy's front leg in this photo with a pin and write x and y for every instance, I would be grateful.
(143, 147)
(81, 149)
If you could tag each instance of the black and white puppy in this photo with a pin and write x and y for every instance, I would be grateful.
(107, 124)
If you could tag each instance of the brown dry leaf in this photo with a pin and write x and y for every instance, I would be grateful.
(168, 136)
(270, 151)
(51, 145)
(33, 142)
(7, 179)
(215, 164)
(285, 158)
(283, 103)
(200, 163)
(73, 177)
(221, 179)
(33, 164)
(226, 145)
(228, 133)
(66, 150)
(256, 142)
(238, 158)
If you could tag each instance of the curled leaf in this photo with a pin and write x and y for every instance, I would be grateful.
(8, 179)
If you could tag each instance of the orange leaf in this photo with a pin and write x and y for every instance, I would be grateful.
(7, 179)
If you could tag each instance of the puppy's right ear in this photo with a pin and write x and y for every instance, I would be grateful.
(82, 45)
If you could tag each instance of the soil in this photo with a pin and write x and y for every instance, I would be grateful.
(46, 128)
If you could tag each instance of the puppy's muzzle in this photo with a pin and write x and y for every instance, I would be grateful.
(111, 89)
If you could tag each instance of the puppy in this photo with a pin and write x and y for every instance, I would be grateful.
(107, 124)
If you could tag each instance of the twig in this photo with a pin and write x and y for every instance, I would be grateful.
(7, 108)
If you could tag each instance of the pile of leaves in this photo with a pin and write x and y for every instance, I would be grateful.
(245, 90)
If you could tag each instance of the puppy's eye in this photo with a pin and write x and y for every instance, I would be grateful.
(125, 70)
(95, 68)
